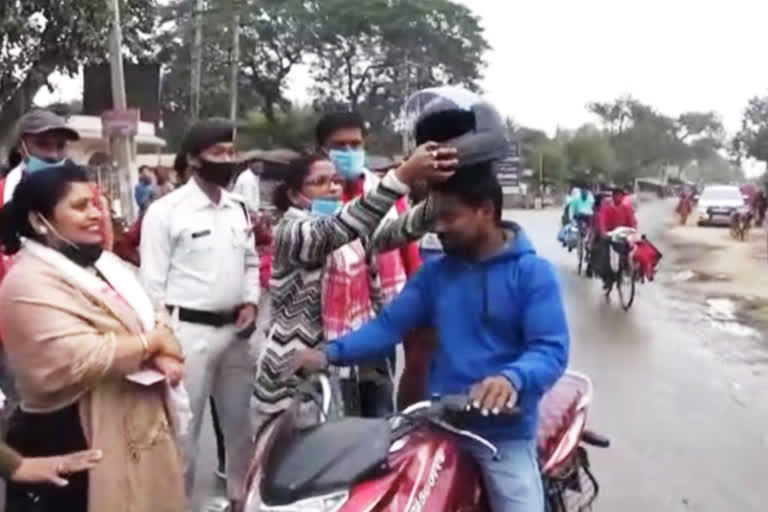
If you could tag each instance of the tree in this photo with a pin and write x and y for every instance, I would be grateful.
(275, 36)
(646, 142)
(293, 129)
(713, 169)
(590, 154)
(752, 140)
(38, 37)
(371, 54)
(177, 23)
(548, 157)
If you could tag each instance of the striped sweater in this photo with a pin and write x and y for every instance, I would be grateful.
(303, 242)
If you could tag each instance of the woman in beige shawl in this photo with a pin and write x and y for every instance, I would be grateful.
(76, 327)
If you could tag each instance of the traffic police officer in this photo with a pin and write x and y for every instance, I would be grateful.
(198, 258)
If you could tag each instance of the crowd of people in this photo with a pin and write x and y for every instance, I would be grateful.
(231, 310)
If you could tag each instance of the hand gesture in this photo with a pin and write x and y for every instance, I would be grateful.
(431, 162)
(40, 470)
(494, 395)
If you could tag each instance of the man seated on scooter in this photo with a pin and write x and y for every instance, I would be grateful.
(503, 336)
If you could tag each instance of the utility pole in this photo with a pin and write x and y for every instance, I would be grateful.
(405, 129)
(541, 179)
(121, 144)
(196, 62)
(234, 68)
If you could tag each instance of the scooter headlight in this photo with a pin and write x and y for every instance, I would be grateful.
(328, 503)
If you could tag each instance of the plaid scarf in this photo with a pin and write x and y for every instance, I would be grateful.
(356, 285)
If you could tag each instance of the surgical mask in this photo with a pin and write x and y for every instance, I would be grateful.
(217, 173)
(350, 163)
(324, 207)
(34, 163)
(84, 255)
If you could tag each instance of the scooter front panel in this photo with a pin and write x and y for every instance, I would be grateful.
(429, 473)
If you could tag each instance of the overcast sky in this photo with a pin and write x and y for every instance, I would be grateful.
(551, 57)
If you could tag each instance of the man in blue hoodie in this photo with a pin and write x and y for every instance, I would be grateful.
(502, 328)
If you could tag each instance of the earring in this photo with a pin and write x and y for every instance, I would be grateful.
(43, 230)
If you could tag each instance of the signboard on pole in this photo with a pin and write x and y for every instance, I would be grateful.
(120, 123)
(509, 168)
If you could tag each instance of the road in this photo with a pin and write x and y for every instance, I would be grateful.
(681, 397)
(680, 394)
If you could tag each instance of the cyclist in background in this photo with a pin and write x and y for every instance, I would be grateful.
(614, 213)
(582, 203)
(581, 207)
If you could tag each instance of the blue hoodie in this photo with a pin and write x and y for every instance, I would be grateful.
(502, 316)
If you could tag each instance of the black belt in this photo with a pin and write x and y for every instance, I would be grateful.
(196, 316)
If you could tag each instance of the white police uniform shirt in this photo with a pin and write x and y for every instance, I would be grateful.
(247, 186)
(12, 180)
(197, 254)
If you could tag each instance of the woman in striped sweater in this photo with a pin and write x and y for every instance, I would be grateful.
(313, 226)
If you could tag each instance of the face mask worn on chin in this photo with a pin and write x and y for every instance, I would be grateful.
(325, 207)
(350, 163)
(34, 163)
(217, 173)
(84, 255)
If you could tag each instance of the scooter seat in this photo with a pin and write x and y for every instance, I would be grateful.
(557, 410)
(323, 459)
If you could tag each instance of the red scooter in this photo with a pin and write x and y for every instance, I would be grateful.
(411, 462)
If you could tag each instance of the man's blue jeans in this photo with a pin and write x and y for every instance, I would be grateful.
(512, 483)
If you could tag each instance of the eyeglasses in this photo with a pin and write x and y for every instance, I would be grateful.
(324, 181)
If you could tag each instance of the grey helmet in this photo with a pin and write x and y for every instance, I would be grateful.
(460, 117)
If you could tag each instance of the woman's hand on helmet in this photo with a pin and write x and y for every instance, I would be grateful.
(430, 161)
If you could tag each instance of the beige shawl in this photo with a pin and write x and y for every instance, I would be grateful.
(60, 341)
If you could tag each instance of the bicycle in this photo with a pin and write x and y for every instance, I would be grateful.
(583, 253)
(625, 277)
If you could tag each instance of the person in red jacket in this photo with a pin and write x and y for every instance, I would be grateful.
(625, 210)
(614, 212)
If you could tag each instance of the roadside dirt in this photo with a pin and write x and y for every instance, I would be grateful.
(710, 263)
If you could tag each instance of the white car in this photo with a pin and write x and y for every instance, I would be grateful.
(717, 203)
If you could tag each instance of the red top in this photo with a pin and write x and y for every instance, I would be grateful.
(612, 216)
(128, 247)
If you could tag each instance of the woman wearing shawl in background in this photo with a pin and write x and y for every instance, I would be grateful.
(77, 326)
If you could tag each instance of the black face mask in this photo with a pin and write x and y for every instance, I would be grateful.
(217, 173)
(84, 255)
